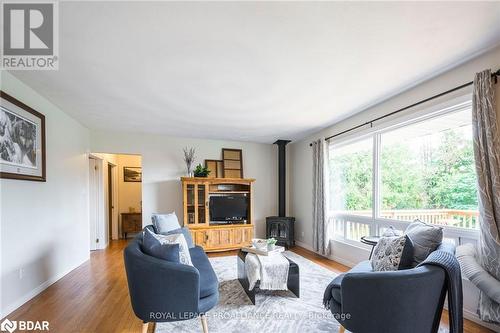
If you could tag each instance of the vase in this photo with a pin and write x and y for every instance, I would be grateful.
(189, 170)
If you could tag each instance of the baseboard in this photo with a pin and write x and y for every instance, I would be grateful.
(472, 316)
(304, 245)
(331, 257)
(34, 292)
(342, 261)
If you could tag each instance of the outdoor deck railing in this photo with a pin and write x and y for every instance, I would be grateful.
(353, 230)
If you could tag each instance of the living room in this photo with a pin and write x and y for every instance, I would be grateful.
(292, 160)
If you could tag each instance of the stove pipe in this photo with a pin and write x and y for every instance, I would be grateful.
(282, 175)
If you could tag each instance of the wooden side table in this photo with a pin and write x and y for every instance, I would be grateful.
(370, 240)
(131, 222)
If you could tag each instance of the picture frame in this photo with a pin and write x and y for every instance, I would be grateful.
(132, 174)
(232, 163)
(22, 141)
(215, 167)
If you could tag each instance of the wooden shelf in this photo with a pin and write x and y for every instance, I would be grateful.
(216, 237)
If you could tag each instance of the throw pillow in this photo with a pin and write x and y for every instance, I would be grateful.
(165, 222)
(153, 247)
(391, 232)
(425, 239)
(185, 232)
(184, 256)
(392, 253)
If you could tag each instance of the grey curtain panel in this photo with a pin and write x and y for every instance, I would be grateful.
(486, 137)
(320, 241)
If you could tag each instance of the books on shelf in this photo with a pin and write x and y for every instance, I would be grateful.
(263, 251)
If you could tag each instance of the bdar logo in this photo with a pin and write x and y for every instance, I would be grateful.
(8, 325)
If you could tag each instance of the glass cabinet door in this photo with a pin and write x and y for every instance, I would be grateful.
(190, 203)
(202, 207)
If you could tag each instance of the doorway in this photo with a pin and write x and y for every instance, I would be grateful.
(115, 197)
(111, 197)
(94, 201)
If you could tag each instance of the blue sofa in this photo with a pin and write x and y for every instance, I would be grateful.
(410, 301)
(163, 291)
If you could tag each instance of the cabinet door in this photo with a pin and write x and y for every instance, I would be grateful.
(199, 237)
(201, 204)
(247, 236)
(189, 203)
(219, 238)
(237, 236)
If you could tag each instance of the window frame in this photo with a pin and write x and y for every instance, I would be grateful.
(375, 222)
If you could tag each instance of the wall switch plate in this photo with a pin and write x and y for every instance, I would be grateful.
(21, 273)
(302, 234)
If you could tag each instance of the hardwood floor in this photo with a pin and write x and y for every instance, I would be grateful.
(94, 297)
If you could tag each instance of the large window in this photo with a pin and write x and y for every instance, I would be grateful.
(351, 174)
(423, 169)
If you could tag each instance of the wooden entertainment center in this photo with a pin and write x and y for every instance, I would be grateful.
(216, 235)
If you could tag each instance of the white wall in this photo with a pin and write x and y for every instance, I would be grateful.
(301, 154)
(163, 165)
(129, 193)
(44, 225)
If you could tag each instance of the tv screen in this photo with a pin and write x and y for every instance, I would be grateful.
(228, 208)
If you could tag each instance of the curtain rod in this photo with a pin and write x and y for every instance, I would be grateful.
(493, 75)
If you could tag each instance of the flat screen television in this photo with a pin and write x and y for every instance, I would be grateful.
(225, 209)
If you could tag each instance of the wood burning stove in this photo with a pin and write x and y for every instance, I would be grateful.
(281, 227)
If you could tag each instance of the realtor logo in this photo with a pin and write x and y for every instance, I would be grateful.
(8, 325)
(30, 38)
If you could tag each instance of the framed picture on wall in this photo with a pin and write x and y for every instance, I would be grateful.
(132, 174)
(22, 140)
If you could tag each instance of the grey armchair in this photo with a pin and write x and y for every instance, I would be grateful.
(390, 302)
(162, 291)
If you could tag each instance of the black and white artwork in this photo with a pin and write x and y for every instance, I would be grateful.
(22, 140)
(17, 140)
(132, 174)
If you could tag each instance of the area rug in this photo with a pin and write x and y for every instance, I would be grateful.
(276, 311)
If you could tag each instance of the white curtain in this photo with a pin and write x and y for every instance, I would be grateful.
(320, 227)
(486, 137)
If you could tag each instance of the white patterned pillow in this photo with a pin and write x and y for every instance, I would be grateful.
(184, 256)
(392, 253)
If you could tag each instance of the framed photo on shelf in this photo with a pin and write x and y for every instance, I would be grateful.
(216, 168)
(22, 140)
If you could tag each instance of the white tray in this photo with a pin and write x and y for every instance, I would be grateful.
(251, 249)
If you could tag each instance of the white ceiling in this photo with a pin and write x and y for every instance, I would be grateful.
(253, 71)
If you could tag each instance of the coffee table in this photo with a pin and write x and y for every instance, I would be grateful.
(293, 282)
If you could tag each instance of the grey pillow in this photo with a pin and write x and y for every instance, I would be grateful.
(184, 255)
(425, 239)
(153, 247)
(165, 222)
(185, 232)
(392, 254)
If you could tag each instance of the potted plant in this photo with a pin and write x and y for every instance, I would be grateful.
(271, 244)
(201, 171)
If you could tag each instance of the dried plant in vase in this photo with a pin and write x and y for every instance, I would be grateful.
(189, 160)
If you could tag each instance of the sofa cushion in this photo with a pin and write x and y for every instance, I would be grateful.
(208, 280)
(425, 239)
(392, 253)
(184, 256)
(153, 247)
(185, 232)
(165, 222)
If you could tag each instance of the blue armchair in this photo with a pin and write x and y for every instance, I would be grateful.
(162, 291)
(392, 301)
